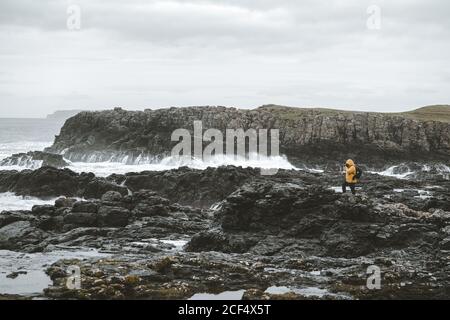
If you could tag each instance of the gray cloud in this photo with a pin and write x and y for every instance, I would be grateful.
(231, 52)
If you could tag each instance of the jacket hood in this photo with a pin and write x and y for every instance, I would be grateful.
(349, 162)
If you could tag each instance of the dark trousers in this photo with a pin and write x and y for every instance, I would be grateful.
(351, 185)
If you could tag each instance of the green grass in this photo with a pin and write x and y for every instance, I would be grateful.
(429, 113)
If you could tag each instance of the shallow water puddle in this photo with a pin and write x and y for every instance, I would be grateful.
(176, 245)
(307, 291)
(339, 189)
(422, 194)
(226, 295)
(33, 278)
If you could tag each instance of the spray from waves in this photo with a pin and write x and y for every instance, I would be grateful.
(168, 163)
(24, 161)
(413, 170)
(11, 201)
(9, 148)
(129, 158)
(393, 172)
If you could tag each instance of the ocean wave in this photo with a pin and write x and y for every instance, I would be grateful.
(9, 148)
(413, 170)
(394, 172)
(168, 163)
(11, 201)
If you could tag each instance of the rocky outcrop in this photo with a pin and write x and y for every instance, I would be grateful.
(342, 225)
(305, 134)
(200, 188)
(113, 221)
(52, 182)
(34, 159)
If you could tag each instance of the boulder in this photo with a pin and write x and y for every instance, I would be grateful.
(113, 216)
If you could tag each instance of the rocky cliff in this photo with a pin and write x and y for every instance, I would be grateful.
(305, 134)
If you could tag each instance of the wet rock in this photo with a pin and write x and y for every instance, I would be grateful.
(64, 202)
(43, 182)
(200, 188)
(98, 187)
(8, 217)
(15, 274)
(41, 210)
(112, 196)
(336, 225)
(35, 157)
(20, 234)
(81, 219)
(216, 240)
(113, 216)
(85, 206)
(52, 182)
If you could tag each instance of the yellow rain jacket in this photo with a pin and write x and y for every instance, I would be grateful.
(350, 171)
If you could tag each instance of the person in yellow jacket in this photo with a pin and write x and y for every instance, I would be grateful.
(350, 176)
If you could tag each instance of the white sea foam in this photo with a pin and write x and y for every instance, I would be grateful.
(306, 291)
(226, 295)
(122, 163)
(168, 163)
(10, 201)
(9, 148)
(390, 173)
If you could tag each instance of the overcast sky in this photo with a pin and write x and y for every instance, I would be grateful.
(244, 53)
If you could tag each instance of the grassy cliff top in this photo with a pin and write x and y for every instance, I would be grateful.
(433, 113)
(428, 113)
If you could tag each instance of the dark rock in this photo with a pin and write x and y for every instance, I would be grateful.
(7, 217)
(85, 206)
(112, 196)
(27, 159)
(98, 187)
(200, 188)
(144, 210)
(113, 216)
(19, 234)
(51, 223)
(81, 219)
(216, 240)
(41, 210)
(15, 274)
(64, 202)
(43, 182)
(52, 182)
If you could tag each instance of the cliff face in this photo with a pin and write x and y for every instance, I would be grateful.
(306, 134)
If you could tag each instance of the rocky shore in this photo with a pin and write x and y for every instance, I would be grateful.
(189, 233)
(176, 234)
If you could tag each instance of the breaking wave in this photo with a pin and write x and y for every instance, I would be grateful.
(23, 162)
(11, 201)
(9, 148)
(407, 171)
(168, 163)
(394, 172)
